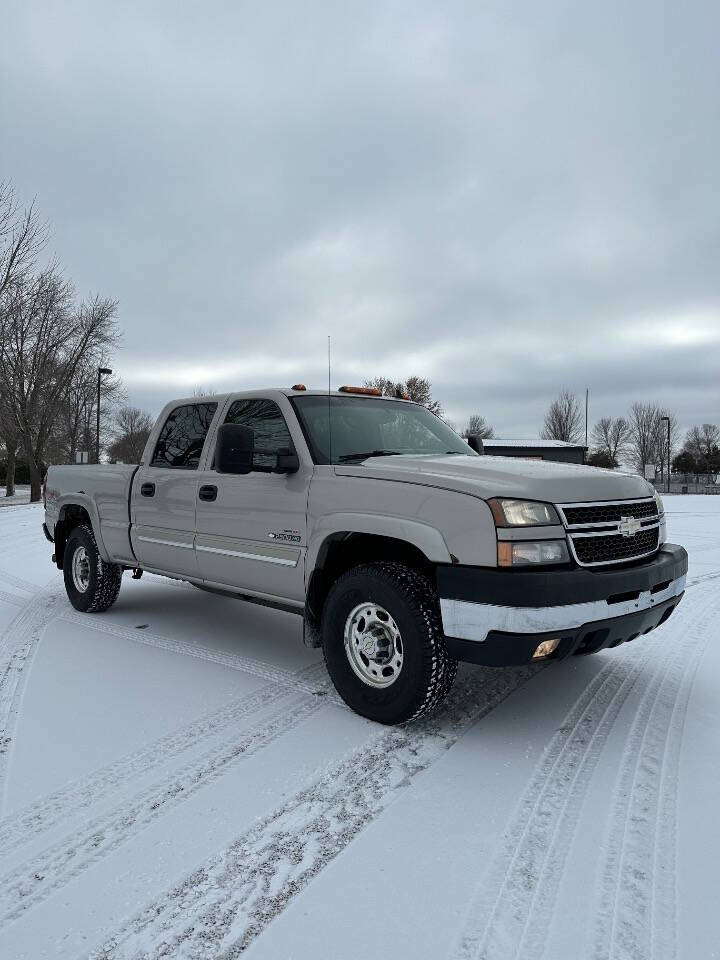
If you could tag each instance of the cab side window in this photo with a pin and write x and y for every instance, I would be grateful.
(266, 421)
(182, 437)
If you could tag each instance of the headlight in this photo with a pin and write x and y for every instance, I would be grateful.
(658, 500)
(522, 513)
(514, 553)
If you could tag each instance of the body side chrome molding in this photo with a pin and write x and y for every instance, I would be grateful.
(165, 543)
(248, 556)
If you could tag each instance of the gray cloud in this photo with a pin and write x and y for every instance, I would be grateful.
(508, 198)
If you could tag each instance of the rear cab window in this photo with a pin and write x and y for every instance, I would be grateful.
(182, 437)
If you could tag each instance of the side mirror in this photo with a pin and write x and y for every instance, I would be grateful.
(234, 449)
(475, 443)
(287, 461)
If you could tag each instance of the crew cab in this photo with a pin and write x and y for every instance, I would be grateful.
(403, 548)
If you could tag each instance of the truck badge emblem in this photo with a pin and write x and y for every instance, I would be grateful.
(629, 526)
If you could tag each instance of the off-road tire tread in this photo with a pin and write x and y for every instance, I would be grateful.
(108, 575)
(420, 595)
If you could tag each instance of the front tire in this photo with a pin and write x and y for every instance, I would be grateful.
(383, 643)
(92, 585)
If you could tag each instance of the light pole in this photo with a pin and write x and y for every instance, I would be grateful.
(667, 482)
(101, 371)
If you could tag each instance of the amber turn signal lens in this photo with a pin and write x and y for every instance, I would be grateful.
(504, 553)
(497, 512)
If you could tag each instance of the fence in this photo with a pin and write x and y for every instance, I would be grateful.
(679, 486)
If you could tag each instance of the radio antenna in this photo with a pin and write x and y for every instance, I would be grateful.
(329, 416)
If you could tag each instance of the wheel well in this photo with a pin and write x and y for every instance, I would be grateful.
(342, 551)
(71, 516)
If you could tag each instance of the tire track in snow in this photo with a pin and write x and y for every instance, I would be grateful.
(14, 581)
(78, 795)
(35, 880)
(636, 913)
(17, 648)
(654, 673)
(701, 578)
(235, 661)
(512, 909)
(499, 910)
(13, 598)
(222, 906)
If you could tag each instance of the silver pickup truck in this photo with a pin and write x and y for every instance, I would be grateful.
(403, 548)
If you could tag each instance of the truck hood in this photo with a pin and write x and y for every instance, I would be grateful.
(504, 477)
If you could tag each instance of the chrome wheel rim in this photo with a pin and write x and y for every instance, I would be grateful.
(373, 645)
(81, 570)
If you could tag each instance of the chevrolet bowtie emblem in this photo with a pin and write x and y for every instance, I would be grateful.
(629, 526)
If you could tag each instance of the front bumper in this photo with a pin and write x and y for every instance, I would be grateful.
(498, 617)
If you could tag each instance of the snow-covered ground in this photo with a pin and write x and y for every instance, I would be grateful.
(178, 780)
(21, 495)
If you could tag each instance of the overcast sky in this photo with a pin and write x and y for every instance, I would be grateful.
(506, 198)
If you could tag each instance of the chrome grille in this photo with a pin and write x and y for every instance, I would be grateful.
(611, 532)
(614, 548)
(609, 512)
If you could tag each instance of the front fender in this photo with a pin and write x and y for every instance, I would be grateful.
(427, 539)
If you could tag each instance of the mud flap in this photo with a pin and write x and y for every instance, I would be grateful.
(311, 632)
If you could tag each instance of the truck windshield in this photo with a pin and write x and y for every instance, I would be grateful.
(349, 429)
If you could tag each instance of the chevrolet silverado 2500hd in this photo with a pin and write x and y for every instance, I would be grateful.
(403, 549)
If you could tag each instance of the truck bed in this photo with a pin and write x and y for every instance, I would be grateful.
(104, 490)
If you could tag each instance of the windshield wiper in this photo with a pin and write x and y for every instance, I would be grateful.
(347, 457)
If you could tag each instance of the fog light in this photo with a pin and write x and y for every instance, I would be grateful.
(545, 648)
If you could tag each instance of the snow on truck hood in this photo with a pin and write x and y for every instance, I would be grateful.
(504, 477)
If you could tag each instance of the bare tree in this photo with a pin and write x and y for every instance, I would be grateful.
(563, 421)
(9, 437)
(710, 439)
(610, 437)
(22, 237)
(649, 435)
(702, 447)
(44, 337)
(644, 429)
(418, 389)
(132, 429)
(478, 426)
(702, 441)
(76, 421)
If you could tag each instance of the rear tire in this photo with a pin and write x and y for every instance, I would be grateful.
(92, 585)
(383, 643)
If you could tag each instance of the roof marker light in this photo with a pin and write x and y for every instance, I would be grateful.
(369, 391)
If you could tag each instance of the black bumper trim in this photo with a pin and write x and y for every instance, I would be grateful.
(553, 588)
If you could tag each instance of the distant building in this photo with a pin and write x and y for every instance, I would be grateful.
(536, 450)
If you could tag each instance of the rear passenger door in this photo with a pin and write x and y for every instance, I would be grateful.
(252, 534)
(165, 492)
